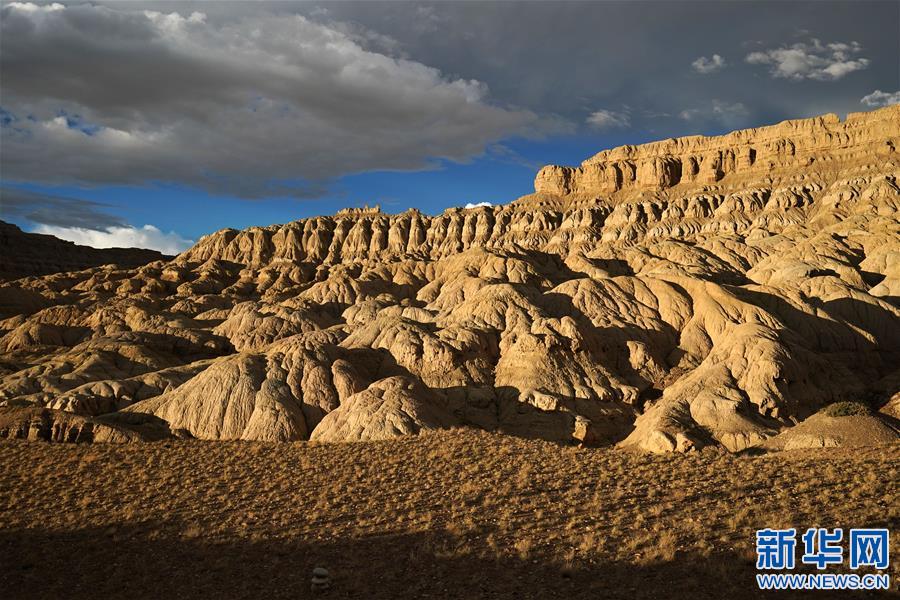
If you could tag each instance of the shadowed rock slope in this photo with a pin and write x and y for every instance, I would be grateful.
(667, 296)
(27, 254)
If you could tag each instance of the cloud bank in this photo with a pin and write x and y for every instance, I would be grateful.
(58, 211)
(257, 105)
(147, 236)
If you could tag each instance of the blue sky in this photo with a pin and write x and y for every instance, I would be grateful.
(151, 124)
(193, 212)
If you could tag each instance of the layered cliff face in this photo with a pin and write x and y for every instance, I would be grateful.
(26, 254)
(689, 292)
(737, 157)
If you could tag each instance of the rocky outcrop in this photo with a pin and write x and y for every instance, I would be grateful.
(42, 424)
(388, 408)
(776, 150)
(33, 254)
(111, 395)
(825, 431)
(691, 292)
(242, 397)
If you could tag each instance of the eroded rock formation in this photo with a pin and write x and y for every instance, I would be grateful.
(667, 296)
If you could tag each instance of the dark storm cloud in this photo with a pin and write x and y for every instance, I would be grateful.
(233, 104)
(276, 98)
(659, 59)
(56, 211)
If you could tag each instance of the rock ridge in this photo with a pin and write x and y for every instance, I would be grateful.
(668, 311)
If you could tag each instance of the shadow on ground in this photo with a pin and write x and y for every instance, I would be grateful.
(150, 560)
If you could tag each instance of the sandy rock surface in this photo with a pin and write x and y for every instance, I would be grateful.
(689, 292)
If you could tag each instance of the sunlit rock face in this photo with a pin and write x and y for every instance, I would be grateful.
(667, 296)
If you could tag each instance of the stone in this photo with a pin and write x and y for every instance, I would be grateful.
(583, 432)
(321, 580)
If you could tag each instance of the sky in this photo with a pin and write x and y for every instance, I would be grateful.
(150, 124)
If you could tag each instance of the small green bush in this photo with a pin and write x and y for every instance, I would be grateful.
(847, 409)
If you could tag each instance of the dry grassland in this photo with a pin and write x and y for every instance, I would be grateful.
(451, 514)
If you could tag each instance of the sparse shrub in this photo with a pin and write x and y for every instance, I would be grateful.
(847, 409)
(191, 532)
(523, 548)
(567, 566)
(665, 548)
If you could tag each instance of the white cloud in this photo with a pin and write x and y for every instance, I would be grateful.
(726, 109)
(609, 119)
(879, 98)
(705, 66)
(255, 105)
(147, 236)
(811, 60)
(725, 113)
(477, 204)
(32, 7)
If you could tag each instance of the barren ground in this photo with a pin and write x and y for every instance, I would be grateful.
(448, 514)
